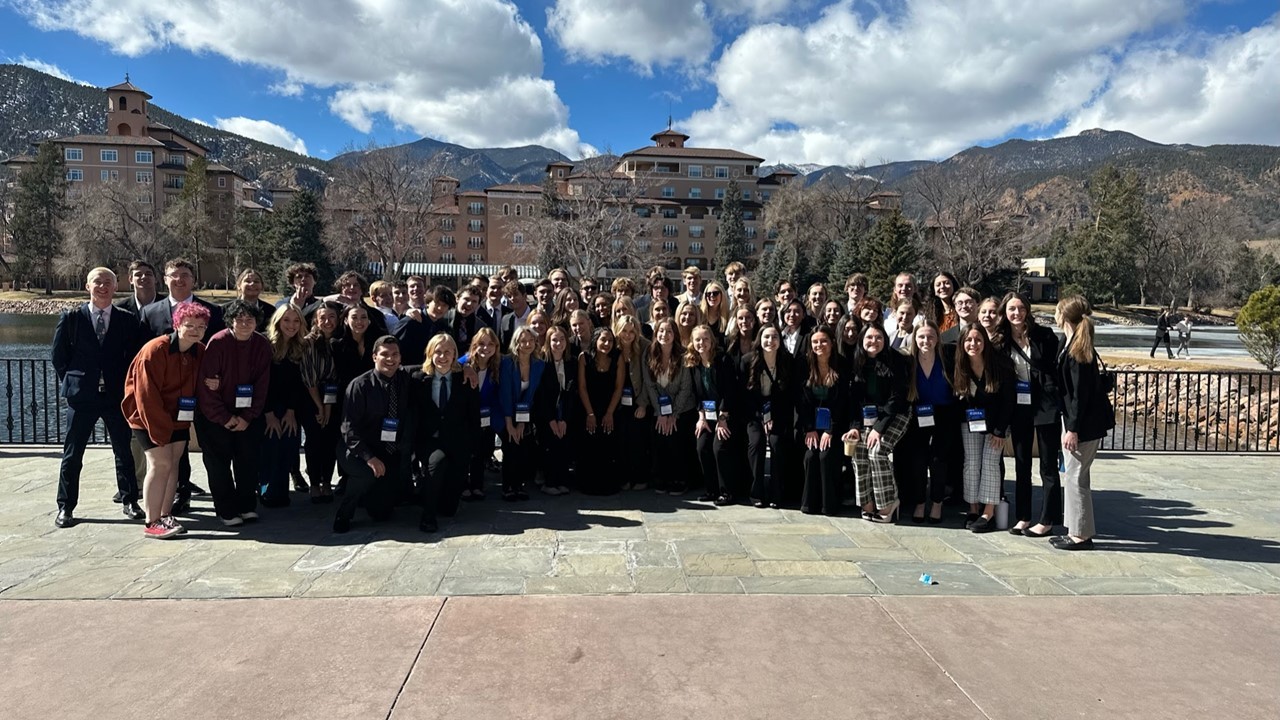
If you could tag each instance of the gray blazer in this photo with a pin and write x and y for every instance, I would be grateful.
(680, 389)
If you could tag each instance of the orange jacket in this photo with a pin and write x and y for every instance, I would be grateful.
(158, 376)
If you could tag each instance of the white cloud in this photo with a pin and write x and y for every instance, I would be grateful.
(46, 68)
(752, 9)
(460, 70)
(1223, 89)
(654, 32)
(264, 130)
(925, 82)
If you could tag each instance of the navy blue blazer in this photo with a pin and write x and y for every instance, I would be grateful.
(158, 318)
(81, 363)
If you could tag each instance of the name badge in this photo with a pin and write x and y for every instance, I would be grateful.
(628, 397)
(1024, 392)
(522, 412)
(822, 419)
(244, 396)
(868, 415)
(330, 392)
(766, 412)
(390, 426)
(977, 420)
(484, 417)
(709, 411)
(186, 409)
(664, 405)
(924, 415)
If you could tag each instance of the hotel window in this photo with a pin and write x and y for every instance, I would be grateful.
(142, 157)
(695, 193)
(695, 248)
(517, 211)
(475, 208)
(642, 212)
(222, 182)
(517, 239)
(644, 245)
(765, 195)
(506, 209)
(109, 175)
(670, 231)
(475, 225)
(748, 215)
(446, 223)
(110, 155)
(475, 242)
(696, 231)
(73, 154)
(75, 175)
(751, 170)
(446, 257)
(145, 217)
(669, 212)
(751, 231)
(668, 192)
(722, 172)
(144, 177)
(529, 211)
(175, 159)
(475, 258)
(746, 194)
(695, 171)
(669, 246)
(719, 193)
(446, 241)
(144, 199)
(751, 248)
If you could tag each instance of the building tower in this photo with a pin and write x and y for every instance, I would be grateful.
(127, 109)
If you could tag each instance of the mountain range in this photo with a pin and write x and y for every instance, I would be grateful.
(1042, 179)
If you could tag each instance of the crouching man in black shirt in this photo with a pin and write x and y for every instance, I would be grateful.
(377, 430)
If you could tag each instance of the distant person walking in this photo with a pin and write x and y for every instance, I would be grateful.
(1184, 337)
(1162, 333)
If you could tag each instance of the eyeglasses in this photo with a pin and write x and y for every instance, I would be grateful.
(714, 293)
(589, 288)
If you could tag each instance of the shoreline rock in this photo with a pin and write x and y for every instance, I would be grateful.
(39, 306)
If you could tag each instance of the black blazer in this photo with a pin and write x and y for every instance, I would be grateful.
(1086, 410)
(890, 390)
(131, 303)
(414, 336)
(1046, 401)
(452, 427)
(782, 394)
(550, 401)
(158, 318)
(998, 406)
(81, 362)
(728, 389)
(840, 400)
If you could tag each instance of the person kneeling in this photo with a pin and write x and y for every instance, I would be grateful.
(449, 412)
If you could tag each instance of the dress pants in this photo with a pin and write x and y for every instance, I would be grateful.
(768, 487)
(81, 418)
(1050, 442)
(377, 494)
(321, 446)
(444, 471)
(926, 453)
(279, 456)
(557, 456)
(633, 444)
(1076, 494)
(598, 466)
(481, 453)
(674, 455)
(718, 459)
(823, 489)
(231, 460)
(519, 460)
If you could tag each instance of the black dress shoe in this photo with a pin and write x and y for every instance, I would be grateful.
(181, 506)
(197, 490)
(64, 519)
(1066, 543)
(132, 511)
(299, 483)
(428, 525)
(1028, 532)
(341, 524)
(118, 497)
(983, 525)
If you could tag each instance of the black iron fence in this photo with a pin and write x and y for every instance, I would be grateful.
(1200, 412)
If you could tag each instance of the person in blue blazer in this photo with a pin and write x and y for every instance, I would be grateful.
(517, 386)
(92, 348)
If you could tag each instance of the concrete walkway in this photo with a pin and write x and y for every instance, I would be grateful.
(1174, 524)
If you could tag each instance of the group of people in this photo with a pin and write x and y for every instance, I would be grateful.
(741, 394)
(1167, 322)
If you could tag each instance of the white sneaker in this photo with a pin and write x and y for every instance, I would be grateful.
(232, 521)
(249, 516)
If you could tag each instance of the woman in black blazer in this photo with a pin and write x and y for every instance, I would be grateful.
(1033, 352)
(556, 410)
(823, 408)
(720, 416)
(448, 416)
(1087, 415)
(768, 376)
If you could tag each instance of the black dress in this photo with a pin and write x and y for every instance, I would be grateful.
(597, 473)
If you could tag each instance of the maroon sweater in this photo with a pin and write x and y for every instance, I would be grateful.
(234, 363)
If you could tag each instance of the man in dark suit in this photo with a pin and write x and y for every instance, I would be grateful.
(518, 311)
(465, 321)
(493, 309)
(157, 319)
(417, 328)
(142, 279)
(93, 346)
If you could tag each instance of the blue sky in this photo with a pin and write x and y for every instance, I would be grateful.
(801, 81)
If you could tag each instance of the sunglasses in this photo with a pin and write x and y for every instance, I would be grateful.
(589, 288)
(714, 293)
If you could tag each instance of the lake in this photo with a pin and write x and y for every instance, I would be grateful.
(26, 336)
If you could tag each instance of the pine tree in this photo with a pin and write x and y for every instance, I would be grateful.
(848, 257)
(299, 234)
(190, 220)
(258, 246)
(731, 233)
(1100, 258)
(39, 210)
(891, 249)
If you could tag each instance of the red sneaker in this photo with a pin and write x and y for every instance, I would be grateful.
(170, 522)
(159, 530)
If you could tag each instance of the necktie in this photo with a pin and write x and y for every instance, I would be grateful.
(393, 406)
(100, 326)
(444, 391)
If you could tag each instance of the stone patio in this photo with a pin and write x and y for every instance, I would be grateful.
(1170, 524)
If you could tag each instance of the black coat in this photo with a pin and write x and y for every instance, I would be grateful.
(157, 318)
(726, 388)
(841, 400)
(997, 406)
(887, 390)
(81, 362)
(131, 304)
(550, 401)
(452, 427)
(782, 396)
(1046, 400)
(1086, 410)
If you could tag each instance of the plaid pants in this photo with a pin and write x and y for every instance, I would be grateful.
(873, 467)
(981, 468)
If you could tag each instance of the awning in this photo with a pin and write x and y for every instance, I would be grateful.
(436, 270)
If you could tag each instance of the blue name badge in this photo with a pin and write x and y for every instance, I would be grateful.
(1024, 392)
(664, 405)
(330, 393)
(522, 412)
(868, 415)
(977, 420)
(709, 412)
(186, 409)
(628, 397)
(924, 415)
(766, 412)
(390, 427)
(484, 417)
(822, 419)
(244, 396)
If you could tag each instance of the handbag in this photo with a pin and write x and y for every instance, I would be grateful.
(1106, 386)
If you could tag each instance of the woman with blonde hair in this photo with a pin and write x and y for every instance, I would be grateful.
(484, 356)
(720, 420)
(714, 307)
(448, 413)
(670, 394)
(687, 317)
(520, 376)
(554, 411)
(1087, 415)
(287, 401)
(634, 421)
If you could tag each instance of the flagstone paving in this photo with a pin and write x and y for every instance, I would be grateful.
(1170, 525)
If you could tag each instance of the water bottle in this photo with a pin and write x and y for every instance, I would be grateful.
(1002, 515)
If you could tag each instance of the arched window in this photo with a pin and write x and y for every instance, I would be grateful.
(517, 211)
(124, 103)
(506, 209)
(123, 129)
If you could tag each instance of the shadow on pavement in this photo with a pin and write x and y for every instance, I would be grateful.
(1172, 527)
